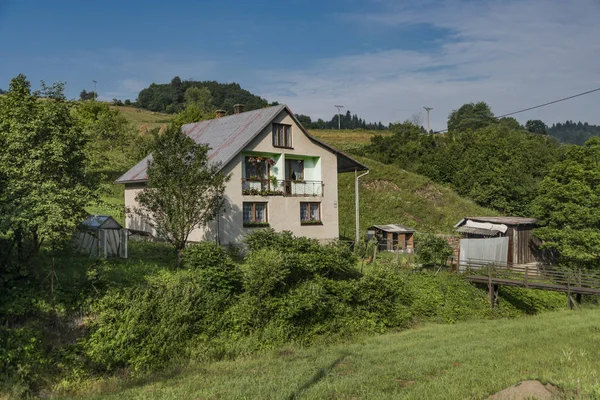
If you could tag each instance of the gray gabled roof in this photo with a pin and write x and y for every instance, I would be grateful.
(229, 135)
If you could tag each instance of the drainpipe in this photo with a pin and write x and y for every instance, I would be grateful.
(356, 178)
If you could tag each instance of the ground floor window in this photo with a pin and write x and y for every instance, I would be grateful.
(255, 214)
(310, 213)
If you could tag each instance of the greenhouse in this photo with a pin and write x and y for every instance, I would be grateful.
(101, 236)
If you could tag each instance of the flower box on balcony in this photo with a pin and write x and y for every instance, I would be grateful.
(257, 192)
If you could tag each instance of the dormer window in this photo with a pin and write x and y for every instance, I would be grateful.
(282, 135)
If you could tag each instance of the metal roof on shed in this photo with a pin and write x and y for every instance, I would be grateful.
(394, 228)
(229, 135)
(505, 220)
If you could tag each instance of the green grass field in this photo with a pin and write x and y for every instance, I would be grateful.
(470, 360)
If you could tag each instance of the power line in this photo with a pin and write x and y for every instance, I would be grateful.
(539, 106)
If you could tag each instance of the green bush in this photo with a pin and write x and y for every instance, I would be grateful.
(22, 360)
(147, 327)
(215, 268)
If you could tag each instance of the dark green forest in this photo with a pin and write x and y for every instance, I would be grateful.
(170, 97)
(574, 132)
(347, 121)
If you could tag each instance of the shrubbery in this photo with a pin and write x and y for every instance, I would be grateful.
(285, 290)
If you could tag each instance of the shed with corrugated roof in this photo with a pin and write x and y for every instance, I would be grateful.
(393, 237)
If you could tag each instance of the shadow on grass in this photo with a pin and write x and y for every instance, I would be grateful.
(321, 373)
(518, 303)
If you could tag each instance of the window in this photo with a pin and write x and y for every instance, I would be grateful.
(310, 213)
(255, 214)
(282, 135)
(294, 170)
(256, 168)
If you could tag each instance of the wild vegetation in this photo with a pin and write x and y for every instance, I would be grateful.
(573, 132)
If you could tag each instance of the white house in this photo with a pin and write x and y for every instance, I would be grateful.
(280, 176)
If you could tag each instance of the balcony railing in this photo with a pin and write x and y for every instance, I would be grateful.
(268, 187)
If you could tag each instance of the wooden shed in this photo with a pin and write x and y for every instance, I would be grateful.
(518, 246)
(393, 237)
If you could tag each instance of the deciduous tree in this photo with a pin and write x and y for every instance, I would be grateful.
(184, 190)
(568, 207)
(43, 166)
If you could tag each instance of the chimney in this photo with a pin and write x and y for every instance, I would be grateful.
(238, 108)
(220, 113)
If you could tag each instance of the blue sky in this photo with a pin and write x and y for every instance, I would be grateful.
(382, 59)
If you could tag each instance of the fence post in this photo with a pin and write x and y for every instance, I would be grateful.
(569, 300)
(526, 274)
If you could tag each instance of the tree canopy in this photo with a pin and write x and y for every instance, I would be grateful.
(568, 207)
(347, 121)
(170, 97)
(471, 116)
(85, 95)
(574, 132)
(498, 165)
(43, 168)
(184, 190)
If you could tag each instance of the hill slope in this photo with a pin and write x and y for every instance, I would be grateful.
(390, 195)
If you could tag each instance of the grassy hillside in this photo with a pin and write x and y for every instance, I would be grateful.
(467, 360)
(144, 119)
(390, 195)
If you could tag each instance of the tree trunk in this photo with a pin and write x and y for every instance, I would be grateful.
(179, 257)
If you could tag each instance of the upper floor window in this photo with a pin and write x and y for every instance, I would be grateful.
(282, 135)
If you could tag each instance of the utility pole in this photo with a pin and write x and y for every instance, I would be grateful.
(339, 117)
(95, 90)
(428, 125)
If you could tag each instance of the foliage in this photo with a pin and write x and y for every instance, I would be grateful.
(184, 190)
(433, 250)
(147, 327)
(568, 207)
(347, 121)
(574, 132)
(215, 267)
(43, 169)
(170, 98)
(496, 166)
(536, 126)
(471, 116)
(106, 129)
(85, 95)
(199, 96)
(190, 114)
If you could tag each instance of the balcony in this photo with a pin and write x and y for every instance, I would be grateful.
(268, 187)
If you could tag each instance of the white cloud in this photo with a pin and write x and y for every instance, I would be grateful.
(511, 54)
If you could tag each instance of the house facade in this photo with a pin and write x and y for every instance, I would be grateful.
(281, 177)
